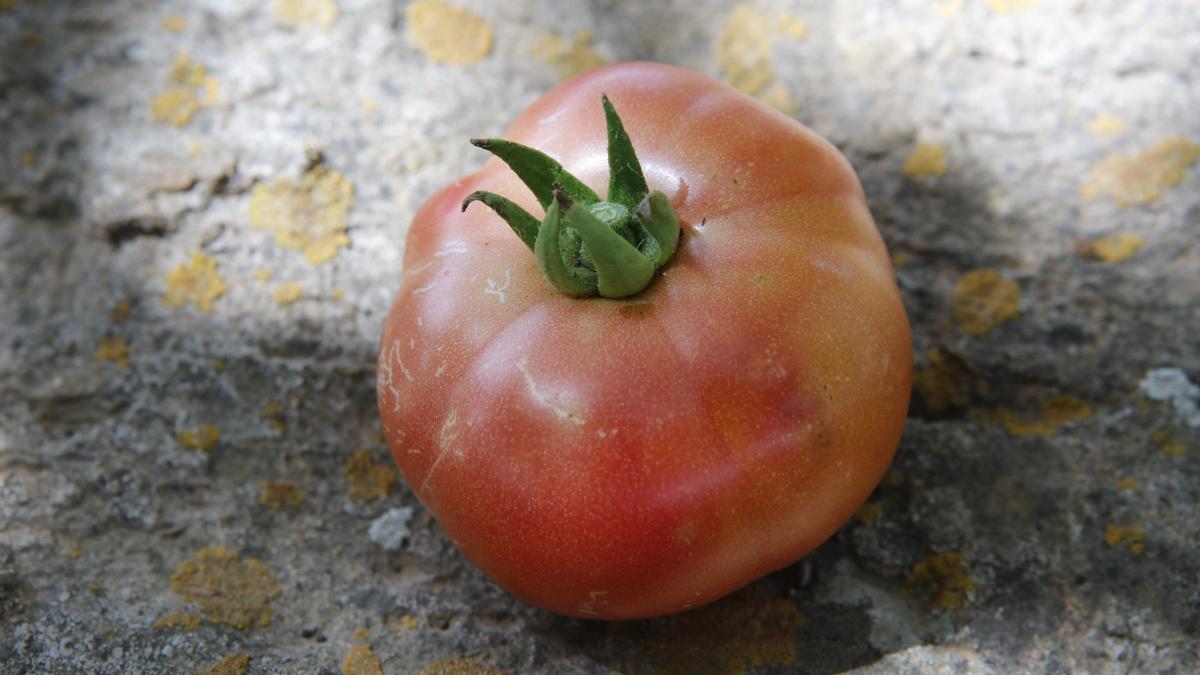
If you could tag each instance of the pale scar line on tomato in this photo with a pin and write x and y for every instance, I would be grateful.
(497, 289)
(446, 438)
(543, 400)
(386, 376)
(424, 289)
(453, 247)
(595, 603)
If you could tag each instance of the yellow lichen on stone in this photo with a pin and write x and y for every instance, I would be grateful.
(791, 26)
(121, 311)
(1168, 444)
(185, 621)
(278, 496)
(226, 589)
(448, 34)
(360, 634)
(927, 160)
(410, 622)
(1011, 6)
(361, 660)
(202, 438)
(301, 13)
(1128, 537)
(983, 300)
(458, 667)
(950, 8)
(195, 281)
(1115, 247)
(113, 349)
(310, 216)
(368, 479)
(942, 384)
(234, 664)
(273, 412)
(939, 582)
(777, 96)
(744, 49)
(177, 105)
(174, 106)
(869, 513)
(29, 158)
(1105, 125)
(1126, 484)
(568, 57)
(7, 5)
(186, 72)
(1056, 412)
(1141, 178)
(287, 293)
(893, 479)
(174, 24)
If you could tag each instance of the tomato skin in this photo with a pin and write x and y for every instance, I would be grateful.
(631, 458)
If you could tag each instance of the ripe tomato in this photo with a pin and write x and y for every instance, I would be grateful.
(619, 458)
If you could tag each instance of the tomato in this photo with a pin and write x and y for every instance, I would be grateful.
(633, 457)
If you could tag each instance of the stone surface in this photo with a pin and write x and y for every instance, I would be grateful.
(181, 373)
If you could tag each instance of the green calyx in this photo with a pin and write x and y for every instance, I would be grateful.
(585, 246)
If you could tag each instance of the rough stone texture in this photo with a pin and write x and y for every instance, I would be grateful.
(1009, 538)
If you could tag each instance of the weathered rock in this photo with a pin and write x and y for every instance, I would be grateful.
(185, 379)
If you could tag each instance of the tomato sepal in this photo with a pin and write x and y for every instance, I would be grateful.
(524, 225)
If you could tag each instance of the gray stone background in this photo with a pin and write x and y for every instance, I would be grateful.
(1042, 514)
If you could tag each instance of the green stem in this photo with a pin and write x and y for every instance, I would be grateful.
(585, 246)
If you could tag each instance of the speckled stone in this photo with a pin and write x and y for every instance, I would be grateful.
(1011, 536)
